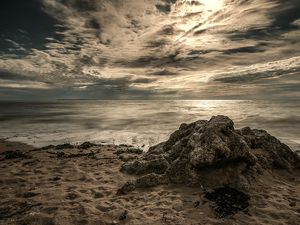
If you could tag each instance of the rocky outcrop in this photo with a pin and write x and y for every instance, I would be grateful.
(210, 154)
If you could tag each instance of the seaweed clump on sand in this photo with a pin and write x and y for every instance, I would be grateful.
(210, 154)
(87, 145)
(15, 155)
(228, 201)
(83, 146)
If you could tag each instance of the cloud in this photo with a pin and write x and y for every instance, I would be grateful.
(254, 73)
(149, 49)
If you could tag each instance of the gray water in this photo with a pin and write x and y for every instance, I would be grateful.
(140, 123)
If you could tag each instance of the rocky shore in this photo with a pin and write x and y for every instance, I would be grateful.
(207, 172)
(211, 154)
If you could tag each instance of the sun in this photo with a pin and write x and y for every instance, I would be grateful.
(184, 7)
(211, 5)
(190, 16)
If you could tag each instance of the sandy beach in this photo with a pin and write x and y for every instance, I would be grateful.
(150, 112)
(79, 185)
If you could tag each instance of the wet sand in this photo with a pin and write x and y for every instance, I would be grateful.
(80, 186)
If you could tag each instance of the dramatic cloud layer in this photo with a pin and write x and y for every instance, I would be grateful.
(144, 49)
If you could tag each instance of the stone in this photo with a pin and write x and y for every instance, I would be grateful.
(87, 145)
(129, 186)
(211, 154)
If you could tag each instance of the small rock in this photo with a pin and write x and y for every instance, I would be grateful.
(126, 188)
(64, 146)
(56, 178)
(15, 155)
(30, 194)
(197, 204)
(124, 215)
(292, 204)
(87, 145)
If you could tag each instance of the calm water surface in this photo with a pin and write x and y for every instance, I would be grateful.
(140, 123)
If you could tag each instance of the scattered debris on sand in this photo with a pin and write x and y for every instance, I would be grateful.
(84, 145)
(64, 146)
(70, 155)
(130, 150)
(15, 155)
(10, 210)
(82, 190)
(87, 145)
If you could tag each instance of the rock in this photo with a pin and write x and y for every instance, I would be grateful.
(114, 222)
(15, 155)
(87, 145)
(156, 165)
(124, 215)
(64, 146)
(137, 151)
(197, 204)
(29, 194)
(127, 158)
(129, 150)
(151, 180)
(270, 151)
(126, 188)
(63, 155)
(211, 154)
(292, 204)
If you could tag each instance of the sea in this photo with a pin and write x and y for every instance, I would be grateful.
(140, 123)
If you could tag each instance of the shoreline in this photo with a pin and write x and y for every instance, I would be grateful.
(77, 187)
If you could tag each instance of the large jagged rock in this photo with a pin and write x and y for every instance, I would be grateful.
(211, 154)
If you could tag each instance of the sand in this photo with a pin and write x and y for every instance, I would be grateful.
(80, 186)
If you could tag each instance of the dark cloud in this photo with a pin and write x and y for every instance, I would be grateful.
(198, 52)
(282, 20)
(285, 14)
(247, 49)
(6, 75)
(165, 7)
(93, 23)
(162, 72)
(143, 80)
(258, 76)
(157, 43)
(113, 49)
(167, 30)
(24, 26)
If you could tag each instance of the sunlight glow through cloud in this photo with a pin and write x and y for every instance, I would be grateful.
(212, 5)
(164, 47)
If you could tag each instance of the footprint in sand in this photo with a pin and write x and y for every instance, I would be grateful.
(71, 196)
(27, 194)
(97, 194)
(50, 210)
(104, 208)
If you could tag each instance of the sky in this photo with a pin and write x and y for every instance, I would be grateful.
(149, 49)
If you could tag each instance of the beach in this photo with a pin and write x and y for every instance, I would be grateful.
(151, 112)
(80, 186)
